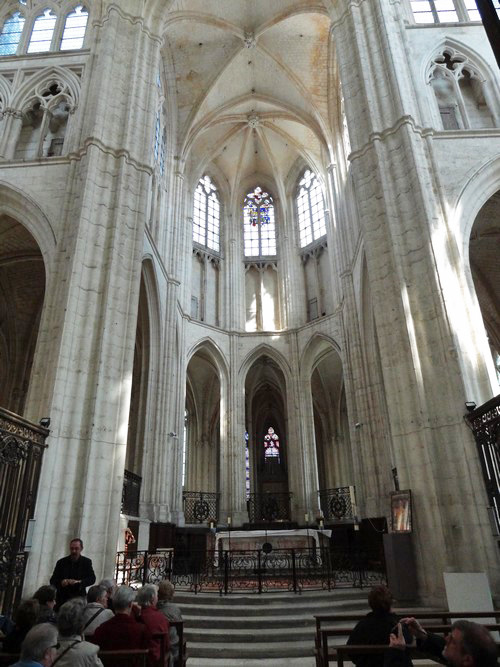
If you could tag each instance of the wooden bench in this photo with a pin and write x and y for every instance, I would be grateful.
(126, 658)
(182, 659)
(321, 640)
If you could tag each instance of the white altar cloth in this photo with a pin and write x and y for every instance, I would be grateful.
(270, 535)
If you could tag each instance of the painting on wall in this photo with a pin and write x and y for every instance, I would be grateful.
(401, 519)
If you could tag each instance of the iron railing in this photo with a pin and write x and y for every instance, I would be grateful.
(200, 506)
(223, 572)
(484, 422)
(21, 449)
(269, 507)
(131, 493)
(139, 568)
(336, 504)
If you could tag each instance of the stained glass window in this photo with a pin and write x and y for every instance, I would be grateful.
(74, 29)
(310, 209)
(271, 445)
(43, 29)
(11, 34)
(259, 227)
(206, 215)
(247, 466)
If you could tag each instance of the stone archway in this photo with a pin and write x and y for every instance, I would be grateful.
(485, 269)
(22, 291)
(202, 461)
(266, 423)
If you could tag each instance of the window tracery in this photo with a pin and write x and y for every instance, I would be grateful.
(460, 92)
(259, 224)
(45, 117)
(206, 216)
(310, 209)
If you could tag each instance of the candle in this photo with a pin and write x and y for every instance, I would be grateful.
(228, 520)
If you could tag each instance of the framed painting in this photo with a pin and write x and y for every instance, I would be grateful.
(401, 518)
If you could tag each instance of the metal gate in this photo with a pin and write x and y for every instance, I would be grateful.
(21, 449)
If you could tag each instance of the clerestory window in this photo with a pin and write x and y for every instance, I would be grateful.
(206, 215)
(46, 30)
(74, 29)
(447, 11)
(11, 34)
(259, 224)
(43, 29)
(310, 209)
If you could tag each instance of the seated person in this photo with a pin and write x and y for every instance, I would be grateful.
(46, 596)
(467, 645)
(110, 586)
(171, 611)
(39, 646)
(375, 628)
(96, 612)
(25, 617)
(73, 650)
(123, 631)
(155, 621)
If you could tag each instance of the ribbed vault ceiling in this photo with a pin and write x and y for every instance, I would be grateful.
(253, 85)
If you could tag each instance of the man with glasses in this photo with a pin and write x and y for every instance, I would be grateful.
(39, 646)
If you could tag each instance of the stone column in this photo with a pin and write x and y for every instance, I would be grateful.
(412, 260)
(232, 468)
(83, 363)
(302, 460)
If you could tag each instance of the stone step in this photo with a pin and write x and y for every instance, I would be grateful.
(253, 650)
(264, 599)
(291, 606)
(248, 662)
(305, 619)
(255, 635)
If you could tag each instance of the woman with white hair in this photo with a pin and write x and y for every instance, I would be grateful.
(73, 650)
(155, 621)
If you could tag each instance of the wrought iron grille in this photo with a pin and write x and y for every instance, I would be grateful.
(131, 493)
(143, 567)
(336, 504)
(200, 506)
(485, 425)
(224, 572)
(269, 507)
(21, 449)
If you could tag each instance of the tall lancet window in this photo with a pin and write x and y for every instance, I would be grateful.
(74, 29)
(206, 215)
(43, 29)
(271, 445)
(11, 34)
(310, 209)
(259, 226)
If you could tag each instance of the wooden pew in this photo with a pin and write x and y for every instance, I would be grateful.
(339, 653)
(126, 658)
(444, 616)
(182, 659)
